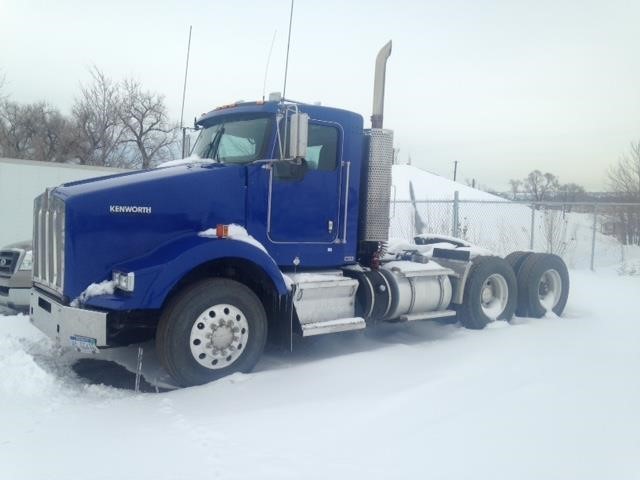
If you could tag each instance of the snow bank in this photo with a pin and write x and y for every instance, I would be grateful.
(21, 375)
(630, 268)
(500, 227)
(35, 371)
(429, 186)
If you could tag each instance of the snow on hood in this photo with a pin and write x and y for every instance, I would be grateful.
(103, 288)
(238, 232)
(235, 232)
(193, 158)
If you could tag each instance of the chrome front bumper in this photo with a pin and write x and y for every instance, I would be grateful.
(66, 324)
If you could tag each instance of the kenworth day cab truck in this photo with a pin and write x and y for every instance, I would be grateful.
(278, 224)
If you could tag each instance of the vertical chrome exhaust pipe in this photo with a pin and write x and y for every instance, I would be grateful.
(378, 86)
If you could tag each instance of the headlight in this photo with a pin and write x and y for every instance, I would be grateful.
(27, 261)
(124, 281)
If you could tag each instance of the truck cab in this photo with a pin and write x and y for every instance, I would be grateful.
(275, 225)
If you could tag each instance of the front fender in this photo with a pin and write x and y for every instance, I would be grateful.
(158, 272)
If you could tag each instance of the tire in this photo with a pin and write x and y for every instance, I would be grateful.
(212, 329)
(490, 293)
(516, 259)
(543, 284)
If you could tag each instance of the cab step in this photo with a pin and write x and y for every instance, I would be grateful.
(333, 326)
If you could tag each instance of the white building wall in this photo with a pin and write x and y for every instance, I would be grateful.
(23, 180)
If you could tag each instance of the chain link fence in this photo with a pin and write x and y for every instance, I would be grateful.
(585, 235)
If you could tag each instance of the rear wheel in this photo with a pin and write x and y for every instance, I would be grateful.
(516, 259)
(489, 293)
(543, 285)
(212, 329)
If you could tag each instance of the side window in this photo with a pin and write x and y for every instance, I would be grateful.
(322, 148)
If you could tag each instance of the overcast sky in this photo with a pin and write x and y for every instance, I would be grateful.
(504, 87)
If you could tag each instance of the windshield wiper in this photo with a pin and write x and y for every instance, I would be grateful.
(215, 144)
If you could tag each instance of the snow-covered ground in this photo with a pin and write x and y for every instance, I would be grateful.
(555, 398)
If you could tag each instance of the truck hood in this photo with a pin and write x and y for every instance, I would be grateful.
(114, 219)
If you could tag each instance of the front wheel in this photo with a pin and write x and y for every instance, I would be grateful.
(212, 329)
(489, 293)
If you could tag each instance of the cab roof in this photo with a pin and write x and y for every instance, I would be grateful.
(314, 111)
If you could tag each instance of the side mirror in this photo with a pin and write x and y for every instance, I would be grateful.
(290, 170)
(298, 135)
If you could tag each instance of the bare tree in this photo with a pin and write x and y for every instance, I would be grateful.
(540, 185)
(555, 231)
(54, 139)
(146, 124)
(112, 124)
(98, 130)
(624, 179)
(3, 82)
(15, 131)
(571, 192)
(33, 131)
(515, 188)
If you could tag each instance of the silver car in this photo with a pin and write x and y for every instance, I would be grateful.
(16, 262)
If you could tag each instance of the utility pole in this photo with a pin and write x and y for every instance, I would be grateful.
(455, 170)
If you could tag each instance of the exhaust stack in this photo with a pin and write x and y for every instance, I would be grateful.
(378, 85)
(375, 193)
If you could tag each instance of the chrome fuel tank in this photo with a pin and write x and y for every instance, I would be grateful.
(417, 288)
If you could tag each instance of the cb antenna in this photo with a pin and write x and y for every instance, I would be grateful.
(186, 70)
(266, 69)
(286, 64)
(185, 148)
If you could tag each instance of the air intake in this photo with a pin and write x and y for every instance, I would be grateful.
(374, 210)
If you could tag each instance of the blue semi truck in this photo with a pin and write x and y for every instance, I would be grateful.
(276, 225)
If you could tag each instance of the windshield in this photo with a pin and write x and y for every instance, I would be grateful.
(233, 141)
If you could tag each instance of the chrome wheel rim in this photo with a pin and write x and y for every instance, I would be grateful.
(549, 289)
(219, 336)
(494, 296)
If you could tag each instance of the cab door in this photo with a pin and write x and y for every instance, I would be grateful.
(304, 198)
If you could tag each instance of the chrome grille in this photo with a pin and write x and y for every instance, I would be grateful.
(48, 241)
(8, 261)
